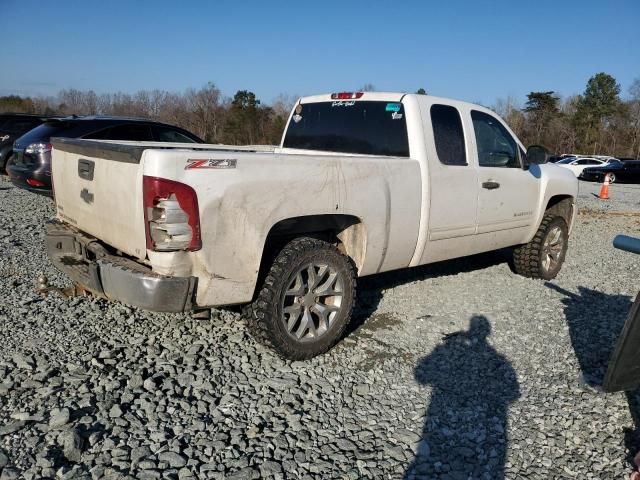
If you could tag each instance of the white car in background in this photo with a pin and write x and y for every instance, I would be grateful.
(578, 164)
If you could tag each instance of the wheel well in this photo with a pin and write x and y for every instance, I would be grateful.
(562, 206)
(345, 231)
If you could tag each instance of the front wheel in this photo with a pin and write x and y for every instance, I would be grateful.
(612, 177)
(544, 255)
(305, 301)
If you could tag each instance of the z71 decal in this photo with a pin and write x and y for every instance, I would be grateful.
(210, 163)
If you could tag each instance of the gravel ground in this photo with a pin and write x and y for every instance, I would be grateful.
(456, 370)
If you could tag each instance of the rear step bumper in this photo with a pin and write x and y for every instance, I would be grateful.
(85, 261)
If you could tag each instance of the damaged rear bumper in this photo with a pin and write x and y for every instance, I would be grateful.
(86, 261)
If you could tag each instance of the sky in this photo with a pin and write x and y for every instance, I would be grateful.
(476, 51)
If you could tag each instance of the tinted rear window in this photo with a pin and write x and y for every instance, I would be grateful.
(63, 128)
(364, 127)
(448, 134)
(43, 132)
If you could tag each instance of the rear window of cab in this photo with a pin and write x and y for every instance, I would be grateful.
(349, 126)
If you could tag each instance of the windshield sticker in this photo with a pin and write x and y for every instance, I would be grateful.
(393, 107)
(396, 116)
(210, 163)
(297, 118)
(340, 103)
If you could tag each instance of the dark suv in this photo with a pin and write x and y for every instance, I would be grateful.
(30, 165)
(12, 126)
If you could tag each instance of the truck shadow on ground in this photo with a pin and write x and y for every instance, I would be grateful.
(465, 432)
(371, 288)
(595, 320)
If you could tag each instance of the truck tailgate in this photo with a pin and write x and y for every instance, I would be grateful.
(98, 189)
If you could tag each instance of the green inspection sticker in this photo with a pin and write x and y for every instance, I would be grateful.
(393, 107)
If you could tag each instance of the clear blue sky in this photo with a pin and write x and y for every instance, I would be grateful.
(471, 50)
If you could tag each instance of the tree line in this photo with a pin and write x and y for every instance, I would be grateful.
(240, 120)
(597, 121)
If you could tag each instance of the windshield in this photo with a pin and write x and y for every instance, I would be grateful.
(347, 126)
(566, 160)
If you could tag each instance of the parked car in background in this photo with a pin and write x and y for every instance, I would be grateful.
(618, 172)
(30, 164)
(578, 164)
(557, 158)
(12, 126)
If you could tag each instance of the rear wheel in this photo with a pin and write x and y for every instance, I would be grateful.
(612, 177)
(544, 255)
(305, 301)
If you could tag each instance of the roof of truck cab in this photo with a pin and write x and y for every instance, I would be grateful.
(389, 97)
(381, 96)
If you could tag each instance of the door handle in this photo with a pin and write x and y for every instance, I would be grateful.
(490, 185)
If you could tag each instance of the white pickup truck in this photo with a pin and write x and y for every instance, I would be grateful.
(362, 183)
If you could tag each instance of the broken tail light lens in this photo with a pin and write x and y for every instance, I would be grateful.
(172, 219)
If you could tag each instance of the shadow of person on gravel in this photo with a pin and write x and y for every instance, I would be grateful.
(465, 426)
(595, 320)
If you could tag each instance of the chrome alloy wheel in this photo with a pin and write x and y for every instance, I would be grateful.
(552, 248)
(312, 301)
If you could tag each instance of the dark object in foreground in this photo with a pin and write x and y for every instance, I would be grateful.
(623, 372)
(30, 164)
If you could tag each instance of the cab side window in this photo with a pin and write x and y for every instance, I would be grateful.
(448, 134)
(496, 147)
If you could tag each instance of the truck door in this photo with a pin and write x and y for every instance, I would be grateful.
(507, 195)
(453, 180)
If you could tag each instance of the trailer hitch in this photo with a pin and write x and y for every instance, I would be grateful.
(43, 288)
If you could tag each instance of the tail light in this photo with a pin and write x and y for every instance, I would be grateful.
(35, 183)
(171, 216)
(346, 95)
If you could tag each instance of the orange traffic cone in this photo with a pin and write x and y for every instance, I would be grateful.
(604, 190)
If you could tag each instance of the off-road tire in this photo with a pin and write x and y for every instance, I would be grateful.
(265, 313)
(528, 258)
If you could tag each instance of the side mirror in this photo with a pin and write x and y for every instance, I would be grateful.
(537, 154)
